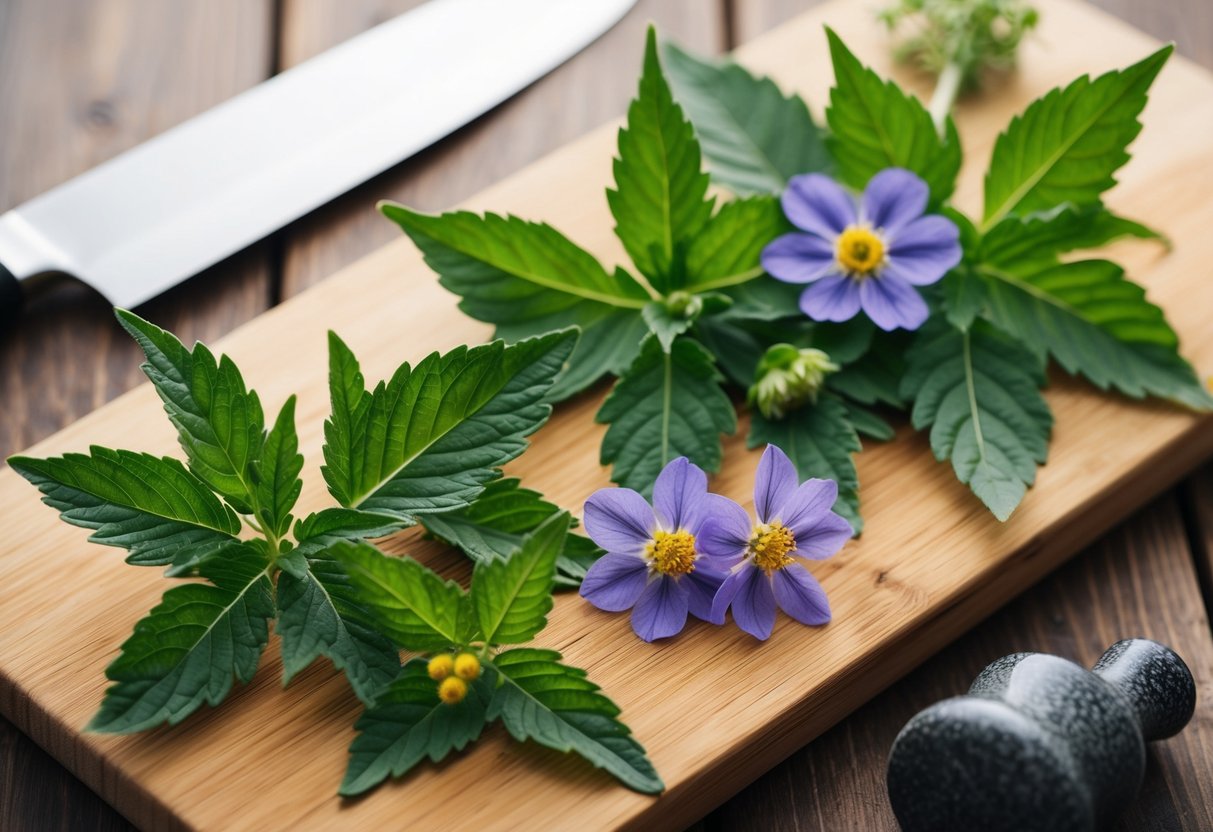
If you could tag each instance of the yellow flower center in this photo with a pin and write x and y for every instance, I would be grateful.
(770, 545)
(859, 250)
(672, 553)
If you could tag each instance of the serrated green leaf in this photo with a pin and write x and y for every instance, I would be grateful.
(1067, 145)
(665, 325)
(219, 422)
(978, 392)
(323, 528)
(410, 604)
(429, 438)
(868, 422)
(558, 707)
(964, 296)
(875, 377)
(660, 197)
(875, 125)
(666, 406)
(765, 300)
(320, 614)
(737, 350)
(727, 251)
(754, 137)
(276, 473)
(512, 596)
(151, 506)
(1095, 322)
(188, 648)
(497, 521)
(409, 724)
(1047, 234)
(820, 440)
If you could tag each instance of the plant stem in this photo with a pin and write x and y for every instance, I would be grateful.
(946, 90)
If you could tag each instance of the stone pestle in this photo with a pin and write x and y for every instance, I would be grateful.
(1039, 743)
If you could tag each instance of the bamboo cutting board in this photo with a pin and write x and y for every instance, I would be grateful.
(713, 707)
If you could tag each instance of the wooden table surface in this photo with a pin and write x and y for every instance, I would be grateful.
(82, 80)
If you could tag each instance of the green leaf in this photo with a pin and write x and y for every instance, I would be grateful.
(754, 138)
(667, 405)
(978, 393)
(664, 324)
(497, 521)
(219, 423)
(188, 648)
(1045, 235)
(323, 528)
(558, 707)
(411, 605)
(410, 723)
(868, 422)
(964, 295)
(875, 377)
(728, 249)
(763, 301)
(429, 438)
(321, 614)
(874, 125)
(820, 440)
(1094, 322)
(277, 473)
(1067, 145)
(660, 198)
(512, 596)
(151, 506)
(737, 350)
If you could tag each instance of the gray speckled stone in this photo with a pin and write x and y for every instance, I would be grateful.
(1039, 743)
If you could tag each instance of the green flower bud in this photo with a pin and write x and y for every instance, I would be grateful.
(788, 378)
(681, 304)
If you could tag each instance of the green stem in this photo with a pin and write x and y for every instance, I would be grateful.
(947, 88)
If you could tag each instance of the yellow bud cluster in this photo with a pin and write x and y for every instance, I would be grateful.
(453, 674)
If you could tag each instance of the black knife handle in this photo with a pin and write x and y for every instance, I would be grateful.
(10, 297)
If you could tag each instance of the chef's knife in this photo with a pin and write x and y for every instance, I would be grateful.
(165, 210)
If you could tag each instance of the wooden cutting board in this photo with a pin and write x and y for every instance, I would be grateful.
(713, 707)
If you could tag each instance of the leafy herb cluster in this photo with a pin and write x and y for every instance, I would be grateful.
(698, 309)
(424, 446)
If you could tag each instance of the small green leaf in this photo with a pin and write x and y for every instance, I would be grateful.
(323, 528)
(151, 506)
(664, 324)
(728, 249)
(1045, 235)
(277, 473)
(874, 125)
(411, 605)
(320, 614)
(1067, 145)
(978, 392)
(667, 405)
(188, 648)
(512, 596)
(736, 348)
(868, 422)
(219, 423)
(556, 706)
(660, 198)
(754, 138)
(410, 723)
(875, 377)
(820, 440)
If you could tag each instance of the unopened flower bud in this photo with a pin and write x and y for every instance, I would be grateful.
(788, 378)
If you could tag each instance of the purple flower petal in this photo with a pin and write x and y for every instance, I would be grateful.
(893, 198)
(798, 258)
(728, 591)
(701, 586)
(824, 538)
(835, 298)
(725, 533)
(807, 504)
(774, 483)
(619, 520)
(891, 302)
(924, 251)
(754, 603)
(661, 610)
(800, 595)
(614, 582)
(678, 495)
(817, 204)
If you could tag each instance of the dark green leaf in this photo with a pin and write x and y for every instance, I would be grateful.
(868, 422)
(667, 405)
(1045, 235)
(219, 423)
(737, 350)
(556, 706)
(754, 138)
(319, 530)
(664, 324)
(410, 723)
(512, 596)
(151, 506)
(660, 198)
(277, 473)
(188, 648)
(728, 249)
(978, 393)
(875, 377)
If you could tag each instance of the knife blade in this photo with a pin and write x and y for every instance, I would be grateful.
(168, 208)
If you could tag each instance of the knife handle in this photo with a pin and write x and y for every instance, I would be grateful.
(10, 297)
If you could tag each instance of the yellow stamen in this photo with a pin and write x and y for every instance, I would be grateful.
(672, 553)
(467, 666)
(452, 690)
(440, 666)
(859, 250)
(770, 546)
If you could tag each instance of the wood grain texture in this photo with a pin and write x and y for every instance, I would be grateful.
(591, 88)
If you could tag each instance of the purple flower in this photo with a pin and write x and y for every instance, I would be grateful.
(869, 256)
(795, 521)
(653, 565)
